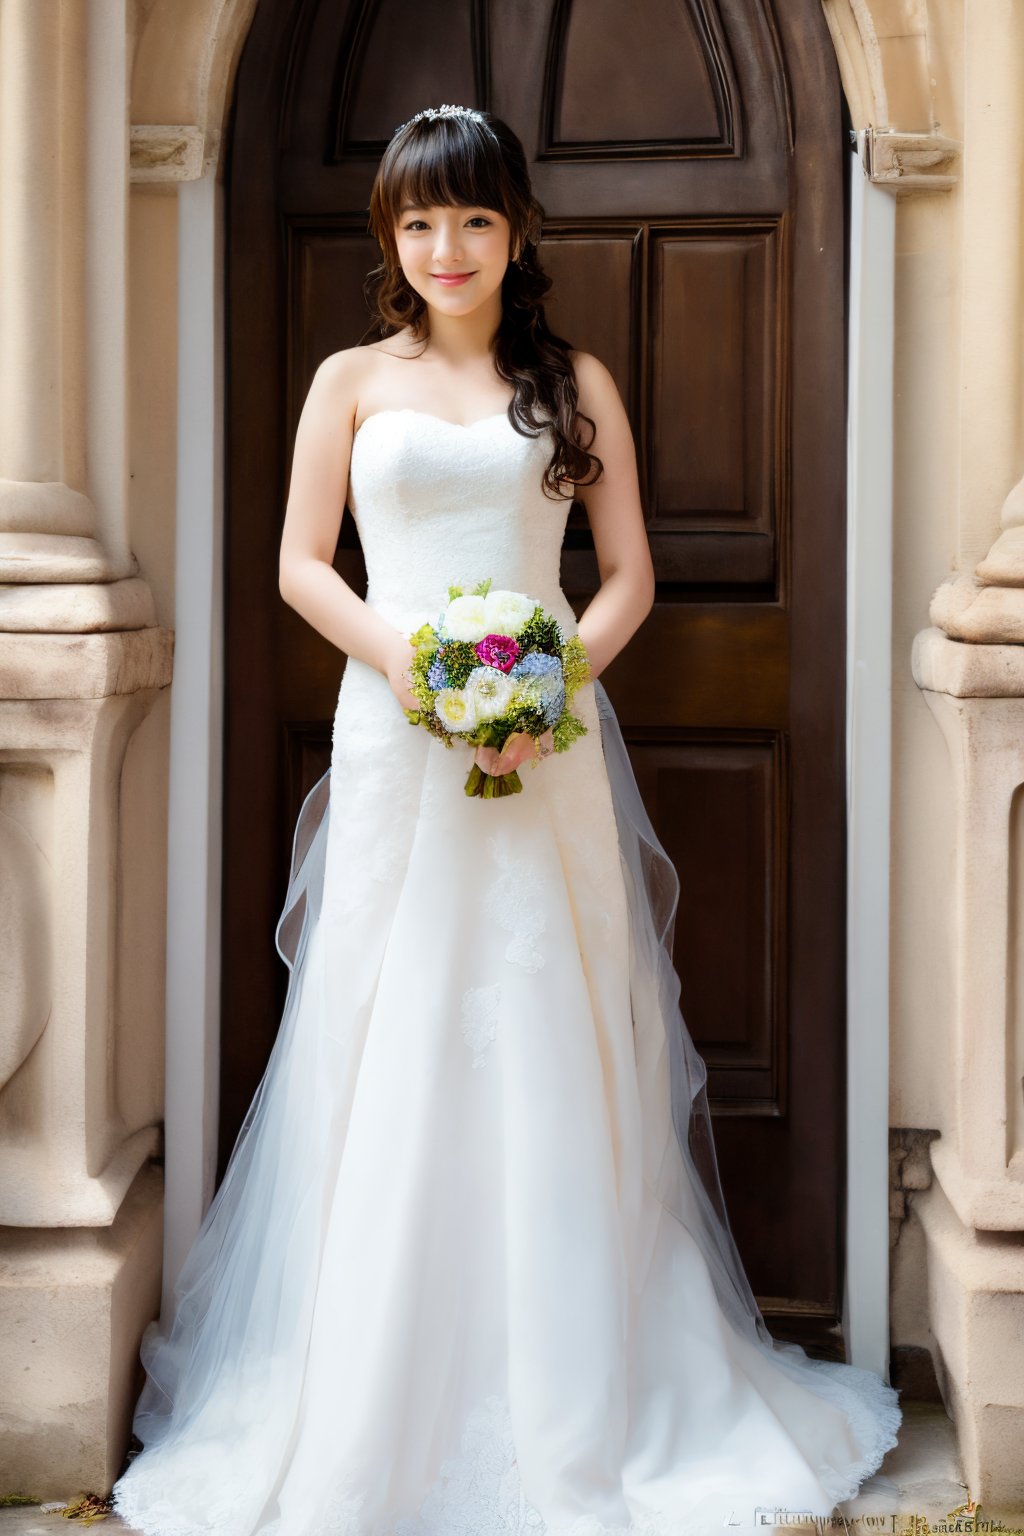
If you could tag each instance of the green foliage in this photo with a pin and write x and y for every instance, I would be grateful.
(566, 730)
(429, 719)
(459, 659)
(492, 786)
(575, 665)
(495, 733)
(480, 590)
(540, 633)
(424, 638)
(418, 668)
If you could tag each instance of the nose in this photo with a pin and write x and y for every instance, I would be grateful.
(447, 247)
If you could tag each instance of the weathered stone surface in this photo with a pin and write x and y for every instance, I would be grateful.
(966, 670)
(84, 666)
(967, 610)
(1004, 563)
(73, 1304)
(976, 1294)
(77, 608)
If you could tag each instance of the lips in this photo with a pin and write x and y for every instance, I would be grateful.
(452, 278)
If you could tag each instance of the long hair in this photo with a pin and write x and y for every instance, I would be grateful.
(459, 160)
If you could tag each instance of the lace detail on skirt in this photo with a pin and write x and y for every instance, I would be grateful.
(874, 1413)
(480, 1020)
(515, 901)
(341, 1515)
(478, 1490)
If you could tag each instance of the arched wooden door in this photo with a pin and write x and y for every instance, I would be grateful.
(689, 156)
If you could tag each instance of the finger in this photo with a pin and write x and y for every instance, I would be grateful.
(517, 749)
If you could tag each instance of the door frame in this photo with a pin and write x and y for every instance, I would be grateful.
(194, 841)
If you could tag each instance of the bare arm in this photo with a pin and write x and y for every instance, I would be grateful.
(316, 502)
(616, 518)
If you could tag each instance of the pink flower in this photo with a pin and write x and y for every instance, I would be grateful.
(499, 651)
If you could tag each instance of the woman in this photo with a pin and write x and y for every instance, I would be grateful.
(469, 1270)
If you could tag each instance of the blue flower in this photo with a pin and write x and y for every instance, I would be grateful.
(537, 664)
(437, 677)
(545, 682)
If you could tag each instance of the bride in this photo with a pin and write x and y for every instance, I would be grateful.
(469, 1270)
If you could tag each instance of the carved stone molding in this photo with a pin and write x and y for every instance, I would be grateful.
(910, 1170)
(170, 152)
(69, 706)
(909, 162)
(976, 694)
(987, 606)
(84, 666)
(944, 665)
(1003, 566)
(77, 608)
(966, 609)
(884, 51)
(183, 72)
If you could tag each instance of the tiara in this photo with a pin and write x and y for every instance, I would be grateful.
(447, 109)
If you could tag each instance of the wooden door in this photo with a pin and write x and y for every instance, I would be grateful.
(689, 156)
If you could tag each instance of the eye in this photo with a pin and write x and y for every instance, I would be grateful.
(477, 218)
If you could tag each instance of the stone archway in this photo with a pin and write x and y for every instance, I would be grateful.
(186, 51)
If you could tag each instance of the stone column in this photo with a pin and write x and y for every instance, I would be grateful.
(82, 661)
(936, 94)
(970, 665)
(973, 1214)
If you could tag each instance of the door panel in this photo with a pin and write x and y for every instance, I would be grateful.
(689, 157)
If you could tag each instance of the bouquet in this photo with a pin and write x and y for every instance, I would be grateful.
(496, 663)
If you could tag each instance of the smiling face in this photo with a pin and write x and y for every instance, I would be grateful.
(451, 198)
(468, 246)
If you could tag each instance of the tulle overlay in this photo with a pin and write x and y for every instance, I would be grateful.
(469, 1270)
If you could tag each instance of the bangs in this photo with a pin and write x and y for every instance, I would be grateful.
(452, 168)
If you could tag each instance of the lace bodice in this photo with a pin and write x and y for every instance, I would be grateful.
(436, 503)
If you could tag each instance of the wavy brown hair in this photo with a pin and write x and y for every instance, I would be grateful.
(462, 161)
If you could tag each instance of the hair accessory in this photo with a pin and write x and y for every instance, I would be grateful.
(447, 109)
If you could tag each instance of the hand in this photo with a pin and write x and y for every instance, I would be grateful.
(519, 746)
(397, 673)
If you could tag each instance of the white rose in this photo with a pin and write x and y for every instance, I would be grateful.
(491, 692)
(507, 612)
(465, 618)
(456, 708)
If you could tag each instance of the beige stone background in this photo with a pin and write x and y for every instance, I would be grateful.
(109, 111)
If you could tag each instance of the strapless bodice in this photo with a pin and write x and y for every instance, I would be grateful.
(438, 504)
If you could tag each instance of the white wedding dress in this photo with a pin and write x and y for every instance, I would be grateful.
(468, 1272)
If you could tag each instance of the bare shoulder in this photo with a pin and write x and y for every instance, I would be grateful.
(342, 379)
(598, 393)
(349, 376)
(344, 370)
